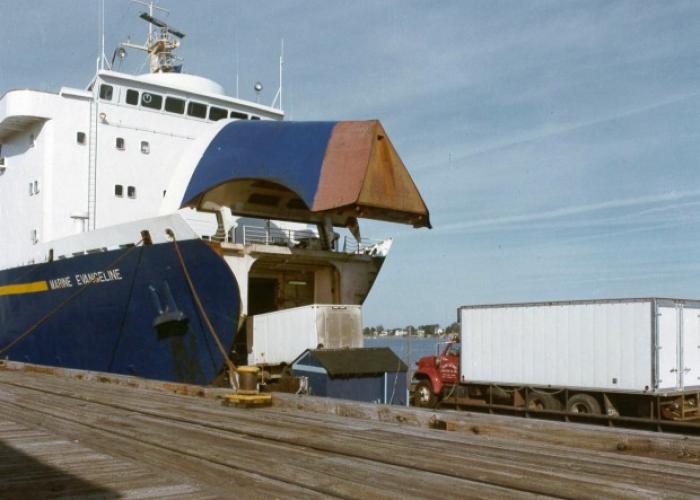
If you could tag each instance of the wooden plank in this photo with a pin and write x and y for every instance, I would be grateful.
(35, 464)
(291, 451)
(200, 413)
(333, 475)
(630, 442)
(591, 484)
(633, 442)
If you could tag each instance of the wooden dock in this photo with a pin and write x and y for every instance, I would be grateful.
(78, 434)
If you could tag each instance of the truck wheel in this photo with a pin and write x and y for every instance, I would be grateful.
(583, 403)
(542, 401)
(423, 395)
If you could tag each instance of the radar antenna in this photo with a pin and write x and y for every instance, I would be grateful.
(161, 42)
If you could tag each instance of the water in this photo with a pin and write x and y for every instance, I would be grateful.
(419, 347)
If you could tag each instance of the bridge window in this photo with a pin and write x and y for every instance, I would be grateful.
(238, 115)
(120, 143)
(216, 114)
(153, 101)
(131, 192)
(118, 190)
(197, 109)
(132, 97)
(106, 92)
(81, 138)
(145, 147)
(174, 105)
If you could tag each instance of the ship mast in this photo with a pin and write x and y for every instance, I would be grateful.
(161, 42)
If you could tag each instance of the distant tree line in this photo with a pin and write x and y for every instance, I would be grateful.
(430, 330)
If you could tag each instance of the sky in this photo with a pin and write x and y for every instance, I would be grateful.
(555, 142)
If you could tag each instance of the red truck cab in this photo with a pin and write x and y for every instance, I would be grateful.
(434, 373)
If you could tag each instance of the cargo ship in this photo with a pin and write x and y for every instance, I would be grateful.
(146, 217)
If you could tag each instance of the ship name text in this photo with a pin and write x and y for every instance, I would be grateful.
(83, 279)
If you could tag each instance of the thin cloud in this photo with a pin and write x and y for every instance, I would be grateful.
(642, 217)
(553, 131)
(571, 211)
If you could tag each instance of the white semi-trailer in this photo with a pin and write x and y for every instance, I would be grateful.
(275, 339)
(627, 359)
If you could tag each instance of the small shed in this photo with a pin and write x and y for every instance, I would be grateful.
(371, 374)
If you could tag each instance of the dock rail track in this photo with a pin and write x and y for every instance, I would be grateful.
(66, 433)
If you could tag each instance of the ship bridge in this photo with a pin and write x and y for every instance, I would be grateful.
(300, 171)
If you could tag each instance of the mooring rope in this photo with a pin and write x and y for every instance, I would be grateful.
(229, 364)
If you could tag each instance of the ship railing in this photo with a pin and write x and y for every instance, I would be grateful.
(364, 246)
(300, 238)
(256, 235)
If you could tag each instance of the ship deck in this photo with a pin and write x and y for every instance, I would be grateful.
(67, 433)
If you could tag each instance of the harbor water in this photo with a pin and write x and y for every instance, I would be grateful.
(409, 349)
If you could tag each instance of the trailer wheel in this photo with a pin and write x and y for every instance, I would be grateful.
(584, 404)
(423, 395)
(542, 401)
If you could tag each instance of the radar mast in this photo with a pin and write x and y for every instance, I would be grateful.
(161, 42)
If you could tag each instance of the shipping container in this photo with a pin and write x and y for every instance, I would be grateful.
(278, 337)
(649, 345)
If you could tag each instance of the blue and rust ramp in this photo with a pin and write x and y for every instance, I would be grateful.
(338, 169)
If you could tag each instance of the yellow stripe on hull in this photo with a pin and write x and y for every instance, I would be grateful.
(22, 288)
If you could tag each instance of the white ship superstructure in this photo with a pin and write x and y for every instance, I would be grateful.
(81, 160)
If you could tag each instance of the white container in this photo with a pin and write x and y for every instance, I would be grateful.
(279, 337)
(650, 345)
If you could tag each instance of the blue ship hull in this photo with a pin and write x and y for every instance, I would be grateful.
(97, 312)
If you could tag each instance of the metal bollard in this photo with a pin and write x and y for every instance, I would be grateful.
(247, 379)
